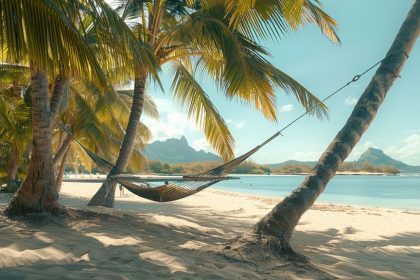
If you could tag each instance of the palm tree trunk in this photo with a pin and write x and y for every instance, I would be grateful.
(38, 193)
(17, 90)
(60, 175)
(62, 150)
(106, 194)
(58, 93)
(12, 169)
(281, 221)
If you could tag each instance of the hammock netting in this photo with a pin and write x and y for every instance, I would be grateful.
(165, 189)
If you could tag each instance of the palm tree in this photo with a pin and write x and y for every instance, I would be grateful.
(217, 39)
(275, 229)
(15, 125)
(15, 133)
(96, 119)
(42, 34)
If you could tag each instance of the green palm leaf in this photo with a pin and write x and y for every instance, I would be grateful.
(191, 96)
(14, 73)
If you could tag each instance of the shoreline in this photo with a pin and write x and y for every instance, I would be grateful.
(254, 186)
(340, 173)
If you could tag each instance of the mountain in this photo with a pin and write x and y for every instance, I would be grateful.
(378, 157)
(371, 156)
(176, 150)
(292, 162)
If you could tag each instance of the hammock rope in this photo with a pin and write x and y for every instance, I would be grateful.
(178, 187)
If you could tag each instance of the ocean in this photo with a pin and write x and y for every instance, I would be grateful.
(399, 192)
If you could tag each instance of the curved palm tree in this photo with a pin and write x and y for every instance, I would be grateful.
(217, 39)
(96, 120)
(275, 229)
(43, 34)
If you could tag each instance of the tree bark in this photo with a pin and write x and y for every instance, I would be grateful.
(281, 221)
(106, 194)
(38, 193)
(60, 175)
(62, 150)
(12, 185)
(58, 93)
(17, 90)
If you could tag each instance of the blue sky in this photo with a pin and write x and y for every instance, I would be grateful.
(367, 29)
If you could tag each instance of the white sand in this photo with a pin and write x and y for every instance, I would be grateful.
(147, 240)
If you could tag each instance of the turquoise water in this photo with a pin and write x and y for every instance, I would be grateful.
(400, 192)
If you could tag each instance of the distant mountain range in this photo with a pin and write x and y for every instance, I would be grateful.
(178, 150)
(175, 151)
(371, 156)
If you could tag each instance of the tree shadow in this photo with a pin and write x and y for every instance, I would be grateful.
(388, 257)
(176, 240)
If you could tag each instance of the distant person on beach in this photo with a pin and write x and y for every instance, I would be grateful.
(121, 191)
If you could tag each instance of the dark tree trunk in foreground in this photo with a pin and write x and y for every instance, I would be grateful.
(38, 193)
(106, 194)
(278, 225)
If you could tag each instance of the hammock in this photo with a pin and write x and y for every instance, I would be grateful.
(173, 187)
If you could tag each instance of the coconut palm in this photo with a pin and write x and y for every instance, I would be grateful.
(15, 127)
(275, 229)
(15, 133)
(96, 119)
(43, 34)
(217, 39)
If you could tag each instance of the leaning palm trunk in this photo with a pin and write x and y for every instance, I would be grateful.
(60, 162)
(105, 195)
(38, 190)
(60, 175)
(62, 150)
(277, 226)
(59, 89)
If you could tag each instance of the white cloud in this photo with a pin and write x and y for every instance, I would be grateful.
(350, 100)
(409, 152)
(236, 124)
(201, 144)
(287, 108)
(173, 125)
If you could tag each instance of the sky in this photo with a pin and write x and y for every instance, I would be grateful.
(367, 29)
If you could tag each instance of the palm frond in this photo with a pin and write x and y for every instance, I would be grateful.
(14, 73)
(191, 96)
(314, 14)
(149, 105)
(44, 31)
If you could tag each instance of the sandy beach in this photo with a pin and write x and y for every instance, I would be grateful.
(145, 240)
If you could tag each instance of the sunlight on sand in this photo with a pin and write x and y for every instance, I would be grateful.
(153, 241)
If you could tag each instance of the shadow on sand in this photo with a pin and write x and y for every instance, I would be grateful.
(175, 241)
